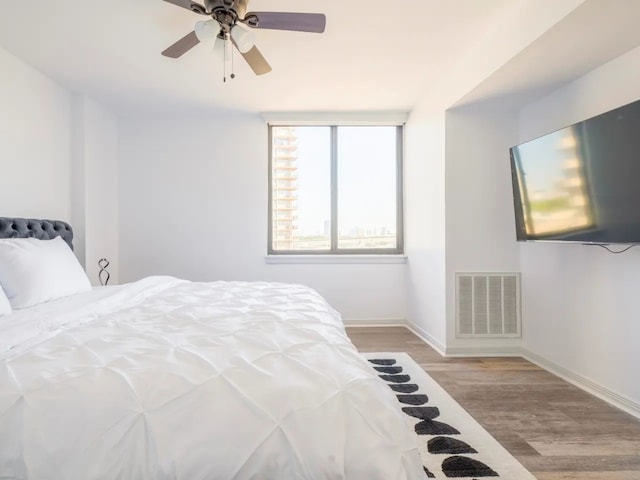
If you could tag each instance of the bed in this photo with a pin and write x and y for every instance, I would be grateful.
(165, 378)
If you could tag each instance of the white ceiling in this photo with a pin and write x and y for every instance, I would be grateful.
(374, 55)
(595, 32)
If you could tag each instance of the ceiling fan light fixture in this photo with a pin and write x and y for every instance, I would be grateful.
(207, 31)
(219, 47)
(244, 39)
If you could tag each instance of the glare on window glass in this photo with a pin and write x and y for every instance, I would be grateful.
(367, 187)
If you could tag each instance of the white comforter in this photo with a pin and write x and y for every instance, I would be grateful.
(168, 379)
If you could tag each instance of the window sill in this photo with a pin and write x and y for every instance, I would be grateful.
(335, 259)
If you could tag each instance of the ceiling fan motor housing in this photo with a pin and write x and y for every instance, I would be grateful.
(237, 8)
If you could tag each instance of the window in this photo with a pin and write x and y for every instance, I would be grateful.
(335, 189)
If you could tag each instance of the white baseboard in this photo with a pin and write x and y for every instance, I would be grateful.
(438, 346)
(427, 338)
(623, 403)
(488, 351)
(374, 322)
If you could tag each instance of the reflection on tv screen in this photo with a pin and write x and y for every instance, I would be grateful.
(581, 183)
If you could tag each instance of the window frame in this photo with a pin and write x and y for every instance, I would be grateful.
(334, 250)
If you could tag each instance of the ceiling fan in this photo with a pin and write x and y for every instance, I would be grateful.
(226, 15)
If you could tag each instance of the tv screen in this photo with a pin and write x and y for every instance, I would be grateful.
(581, 183)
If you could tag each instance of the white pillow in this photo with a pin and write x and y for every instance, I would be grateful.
(34, 271)
(5, 306)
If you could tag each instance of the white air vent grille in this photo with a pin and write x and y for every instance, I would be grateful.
(487, 304)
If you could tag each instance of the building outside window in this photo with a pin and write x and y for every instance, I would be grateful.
(335, 189)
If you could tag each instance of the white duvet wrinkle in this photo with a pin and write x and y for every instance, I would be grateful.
(326, 452)
(192, 389)
(169, 387)
(382, 440)
(329, 451)
(286, 462)
(11, 418)
(133, 436)
(239, 426)
(114, 434)
(8, 403)
(8, 379)
(253, 402)
(48, 431)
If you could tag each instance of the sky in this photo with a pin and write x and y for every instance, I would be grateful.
(366, 178)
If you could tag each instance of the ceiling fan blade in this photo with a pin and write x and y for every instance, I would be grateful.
(298, 22)
(189, 5)
(256, 61)
(182, 46)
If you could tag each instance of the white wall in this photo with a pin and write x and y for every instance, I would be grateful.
(58, 159)
(480, 229)
(580, 303)
(193, 204)
(432, 255)
(35, 143)
(459, 215)
(94, 187)
(425, 225)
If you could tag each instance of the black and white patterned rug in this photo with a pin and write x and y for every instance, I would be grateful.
(451, 443)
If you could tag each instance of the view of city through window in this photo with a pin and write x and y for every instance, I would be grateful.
(366, 179)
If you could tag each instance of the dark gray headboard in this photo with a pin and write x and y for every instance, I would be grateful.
(29, 227)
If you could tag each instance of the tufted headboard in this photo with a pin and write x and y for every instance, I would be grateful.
(42, 229)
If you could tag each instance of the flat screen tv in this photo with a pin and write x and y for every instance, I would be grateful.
(581, 183)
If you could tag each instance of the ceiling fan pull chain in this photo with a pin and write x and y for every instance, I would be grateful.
(224, 62)
(233, 75)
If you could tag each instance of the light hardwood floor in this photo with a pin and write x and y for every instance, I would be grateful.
(556, 430)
